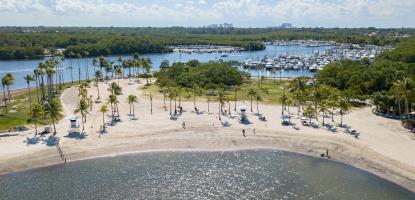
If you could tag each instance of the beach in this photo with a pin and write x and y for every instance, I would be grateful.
(383, 148)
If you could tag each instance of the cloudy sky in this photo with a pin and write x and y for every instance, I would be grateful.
(242, 13)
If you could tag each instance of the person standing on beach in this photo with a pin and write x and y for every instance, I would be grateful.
(184, 125)
(243, 132)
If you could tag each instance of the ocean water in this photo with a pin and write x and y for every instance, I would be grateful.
(246, 174)
(20, 68)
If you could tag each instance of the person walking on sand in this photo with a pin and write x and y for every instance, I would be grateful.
(184, 125)
(243, 132)
(254, 130)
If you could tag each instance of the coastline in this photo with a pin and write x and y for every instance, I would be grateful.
(157, 133)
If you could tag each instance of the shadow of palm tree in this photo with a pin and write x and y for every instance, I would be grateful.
(32, 141)
(76, 135)
(52, 141)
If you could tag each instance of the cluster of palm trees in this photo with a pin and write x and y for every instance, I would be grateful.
(314, 100)
(48, 77)
(398, 100)
(117, 69)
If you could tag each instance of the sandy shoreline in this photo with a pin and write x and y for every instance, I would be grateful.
(384, 148)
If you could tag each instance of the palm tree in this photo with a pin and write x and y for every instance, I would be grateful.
(118, 73)
(197, 91)
(9, 81)
(309, 112)
(85, 55)
(324, 106)
(36, 113)
(344, 106)
(235, 88)
(29, 78)
(98, 77)
(113, 101)
(221, 100)
(37, 75)
(131, 99)
(251, 93)
(283, 100)
(71, 54)
(83, 109)
(4, 83)
(258, 98)
(55, 112)
(103, 110)
(79, 57)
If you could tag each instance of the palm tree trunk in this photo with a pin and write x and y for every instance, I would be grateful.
(30, 99)
(170, 107)
(5, 99)
(35, 128)
(251, 104)
(257, 107)
(164, 102)
(133, 112)
(103, 121)
(235, 102)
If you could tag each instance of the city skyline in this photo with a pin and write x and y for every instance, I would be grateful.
(197, 13)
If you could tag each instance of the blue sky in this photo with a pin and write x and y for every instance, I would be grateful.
(242, 13)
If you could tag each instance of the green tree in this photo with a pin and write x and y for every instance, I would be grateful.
(83, 109)
(54, 111)
(29, 78)
(36, 113)
(131, 99)
(103, 109)
(251, 94)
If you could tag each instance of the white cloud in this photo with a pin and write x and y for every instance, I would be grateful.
(199, 12)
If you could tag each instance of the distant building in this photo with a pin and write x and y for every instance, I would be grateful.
(224, 25)
(286, 25)
(213, 26)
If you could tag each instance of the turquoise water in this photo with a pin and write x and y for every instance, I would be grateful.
(20, 68)
(248, 174)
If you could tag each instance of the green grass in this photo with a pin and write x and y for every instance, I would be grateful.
(269, 91)
(21, 115)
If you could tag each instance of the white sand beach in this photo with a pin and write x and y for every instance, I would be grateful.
(383, 148)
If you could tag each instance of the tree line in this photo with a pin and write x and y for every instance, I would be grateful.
(388, 82)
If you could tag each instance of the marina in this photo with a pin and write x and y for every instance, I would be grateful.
(316, 60)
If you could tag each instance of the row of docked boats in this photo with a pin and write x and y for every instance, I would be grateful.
(316, 61)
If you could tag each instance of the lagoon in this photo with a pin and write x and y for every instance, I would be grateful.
(245, 174)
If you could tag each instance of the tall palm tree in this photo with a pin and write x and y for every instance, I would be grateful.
(258, 98)
(37, 75)
(131, 99)
(221, 100)
(4, 83)
(113, 101)
(283, 100)
(79, 57)
(36, 113)
(9, 81)
(118, 73)
(71, 55)
(324, 107)
(251, 93)
(103, 110)
(55, 113)
(85, 55)
(29, 78)
(98, 77)
(83, 109)
(197, 91)
(235, 89)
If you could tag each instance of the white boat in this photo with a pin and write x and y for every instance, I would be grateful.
(313, 68)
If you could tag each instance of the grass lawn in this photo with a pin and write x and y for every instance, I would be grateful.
(20, 115)
(269, 91)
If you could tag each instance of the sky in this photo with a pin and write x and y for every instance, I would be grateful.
(196, 13)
